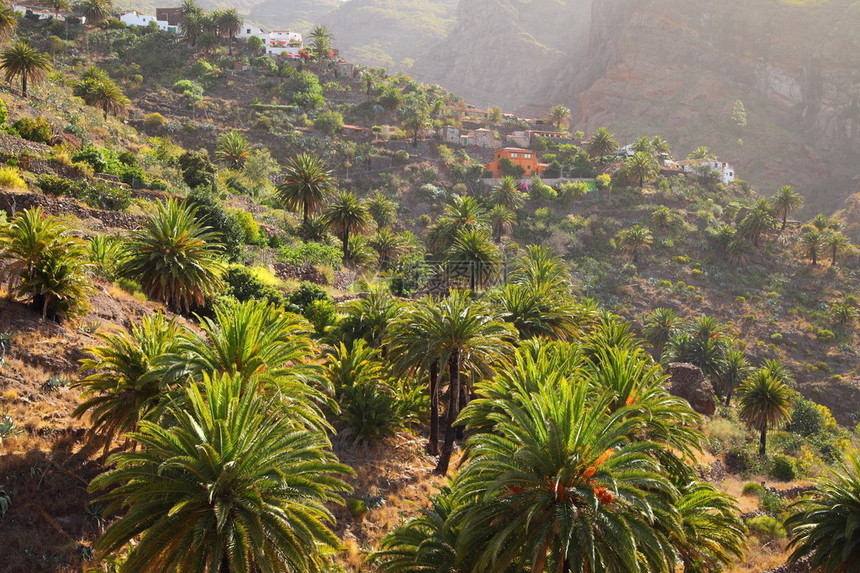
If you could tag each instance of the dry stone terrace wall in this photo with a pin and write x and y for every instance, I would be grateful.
(13, 202)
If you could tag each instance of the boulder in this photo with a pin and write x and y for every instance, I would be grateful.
(687, 382)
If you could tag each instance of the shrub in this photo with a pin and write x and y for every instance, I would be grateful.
(321, 314)
(753, 489)
(4, 113)
(783, 468)
(369, 411)
(106, 196)
(11, 179)
(38, 130)
(154, 120)
(329, 122)
(766, 528)
(93, 157)
(357, 508)
(245, 285)
(401, 155)
(306, 294)
(250, 228)
(809, 418)
(825, 335)
(183, 86)
(211, 213)
(255, 44)
(311, 253)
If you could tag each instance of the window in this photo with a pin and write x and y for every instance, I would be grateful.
(527, 155)
(515, 154)
(248, 31)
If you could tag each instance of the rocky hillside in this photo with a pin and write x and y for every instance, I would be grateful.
(681, 65)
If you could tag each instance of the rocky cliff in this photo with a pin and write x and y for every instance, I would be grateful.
(676, 67)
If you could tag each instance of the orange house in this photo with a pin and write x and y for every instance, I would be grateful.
(525, 158)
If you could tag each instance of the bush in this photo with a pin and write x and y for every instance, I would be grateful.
(183, 86)
(783, 468)
(154, 120)
(369, 411)
(94, 157)
(753, 489)
(306, 294)
(766, 528)
(311, 253)
(38, 130)
(106, 196)
(210, 212)
(401, 155)
(4, 113)
(321, 314)
(255, 44)
(357, 508)
(197, 170)
(329, 122)
(245, 285)
(11, 179)
(55, 185)
(250, 228)
(825, 335)
(807, 417)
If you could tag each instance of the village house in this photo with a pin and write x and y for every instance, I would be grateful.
(43, 14)
(450, 134)
(480, 138)
(283, 43)
(133, 18)
(702, 166)
(249, 30)
(344, 69)
(170, 15)
(528, 138)
(523, 158)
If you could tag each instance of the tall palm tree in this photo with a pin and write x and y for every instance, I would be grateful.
(474, 252)
(24, 61)
(382, 209)
(785, 201)
(103, 93)
(233, 485)
(758, 222)
(466, 336)
(559, 115)
(507, 194)
(96, 11)
(812, 240)
(121, 387)
(502, 221)
(558, 484)
(175, 259)
(734, 371)
(321, 41)
(9, 21)
(634, 240)
(641, 167)
(306, 185)
(462, 214)
(230, 24)
(702, 153)
(602, 143)
(714, 536)
(824, 525)
(764, 402)
(661, 324)
(345, 215)
(837, 244)
(540, 268)
(232, 149)
(539, 312)
(388, 245)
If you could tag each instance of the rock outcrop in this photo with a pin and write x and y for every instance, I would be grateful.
(687, 382)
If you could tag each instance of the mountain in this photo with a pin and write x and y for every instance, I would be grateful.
(389, 33)
(677, 67)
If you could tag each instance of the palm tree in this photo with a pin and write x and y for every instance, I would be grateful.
(602, 143)
(558, 484)
(758, 222)
(465, 335)
(230, 23)
(21, 59)
(344, 215)
(641, 167)
(306, 185)
(462, 214)
(764, 402)
(321, 41)
(540, 268)
(416, 118)
(824, 223)
(388, 245)
(660, 326)
(714, 536)
(502, 221)
(232, 486)
(103, 93)
(634, 240)
(734, 371)
(96, 11)
(644, 145)
(837, 244)
(824, 525)
(660, 145)
(369, 319)
(58, 5)
(24, 241)
(9, 21)
(785, 201)
(174, 258)
(382, 209)
(812, 240)
(121, 388)
(473, 250)
(507, 194)
(559, 116)
(702, 153)
(539, 312)
(232, 149)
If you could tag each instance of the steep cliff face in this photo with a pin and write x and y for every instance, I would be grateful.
(676, 67)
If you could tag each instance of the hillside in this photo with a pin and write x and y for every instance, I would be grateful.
(677, 68)
(170, 279)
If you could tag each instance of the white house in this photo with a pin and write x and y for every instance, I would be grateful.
(451, 134)
(701, 166)
(132, 18)
(249, 30)
(41, 12)
(283, 43)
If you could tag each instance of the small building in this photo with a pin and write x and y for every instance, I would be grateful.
(283, 43)
(249, 30)
(344, 69)
(519, 138)
(450, 134)
(357, 132)
(133, 18)
(172, 16)
(40, 12)
(703, 166)
(524, 158)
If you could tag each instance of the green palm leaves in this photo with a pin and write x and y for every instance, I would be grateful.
(24, 61)
(98, 90)
(232, 149)
(176, 260)
(346, 215)
(233, 485)
(765, 401)
(826, 526)
(306, 185)
(45, 264)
